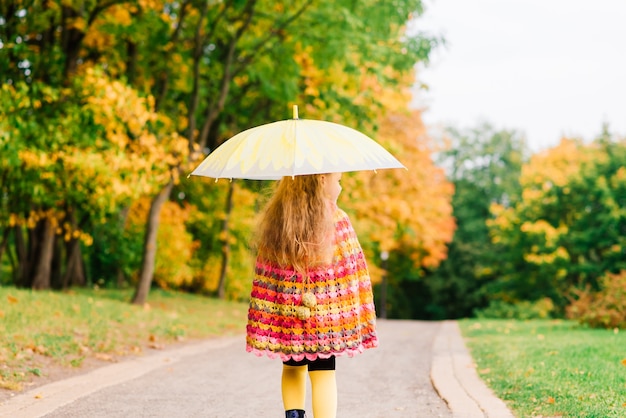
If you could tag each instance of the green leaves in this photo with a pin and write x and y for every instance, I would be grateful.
(568, 228)
(484, 165)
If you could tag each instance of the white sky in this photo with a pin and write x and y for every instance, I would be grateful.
(546, 68)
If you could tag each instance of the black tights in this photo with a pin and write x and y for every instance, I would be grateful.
(314, 365)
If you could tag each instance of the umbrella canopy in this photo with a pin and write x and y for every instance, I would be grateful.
(295, 147)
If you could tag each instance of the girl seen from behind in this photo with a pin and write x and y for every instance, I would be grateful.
(311, 298)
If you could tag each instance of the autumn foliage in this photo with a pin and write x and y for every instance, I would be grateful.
(411, 213)
(605, 308)
(107, 105)
(566, 232)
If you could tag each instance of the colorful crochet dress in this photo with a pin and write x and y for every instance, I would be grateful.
(342, 320)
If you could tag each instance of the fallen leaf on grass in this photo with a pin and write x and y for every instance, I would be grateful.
(12, 299)
(550, 400)
(624, 362)
(104, 357)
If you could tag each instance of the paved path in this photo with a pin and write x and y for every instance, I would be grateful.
(421, 369)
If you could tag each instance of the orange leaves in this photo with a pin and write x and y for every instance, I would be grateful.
(623, 362)
(12, 299)
(412, 209)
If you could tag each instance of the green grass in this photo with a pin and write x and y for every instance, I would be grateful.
(544, 368)
(43, 329)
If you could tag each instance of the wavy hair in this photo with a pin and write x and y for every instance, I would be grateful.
(296, 227)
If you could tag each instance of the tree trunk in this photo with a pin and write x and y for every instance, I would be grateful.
(56, 265)
(74, 271)
(131, 61)
(41, 278)
(221, 287)
(20, 253)
(71, 40)
(150, 246)
(3, 246)
(119, 274)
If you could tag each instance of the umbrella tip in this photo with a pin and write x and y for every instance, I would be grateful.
(295, 111)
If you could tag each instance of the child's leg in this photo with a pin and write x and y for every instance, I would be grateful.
(323, 388)
(293, 386)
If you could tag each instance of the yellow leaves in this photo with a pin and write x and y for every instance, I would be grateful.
(13, 219)
(132, 158)
(98, 40)
(541, 227)
(172, 268)
(623, 362)
(33, 159)
(151, 4)
(78, 23)
(547, 258)
(554, 166)
(120, 15)
(12, 299)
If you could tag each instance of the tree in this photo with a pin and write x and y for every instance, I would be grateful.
(214, 68)
(484, 165)
(567, 230)
(405, 213)
(62, 145)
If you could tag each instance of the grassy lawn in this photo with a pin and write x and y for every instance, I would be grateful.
(544, 368)
(44, 330)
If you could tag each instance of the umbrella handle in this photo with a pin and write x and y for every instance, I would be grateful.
(295, 111)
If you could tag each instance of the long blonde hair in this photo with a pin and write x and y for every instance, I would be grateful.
(296, 228)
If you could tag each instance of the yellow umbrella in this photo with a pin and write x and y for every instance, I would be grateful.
(295, 147)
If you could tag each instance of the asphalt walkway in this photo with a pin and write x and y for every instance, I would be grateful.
(421, 369)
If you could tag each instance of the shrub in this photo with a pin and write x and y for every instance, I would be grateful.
(523, 310)
(605, 308)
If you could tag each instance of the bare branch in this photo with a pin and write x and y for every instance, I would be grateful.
(217, 106)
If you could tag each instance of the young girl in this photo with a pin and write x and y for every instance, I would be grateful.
(311, 297)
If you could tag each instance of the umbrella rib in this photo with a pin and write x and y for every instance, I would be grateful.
(234, 151)
(295, 143)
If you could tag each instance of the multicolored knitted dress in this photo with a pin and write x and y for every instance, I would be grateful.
(342, 318)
